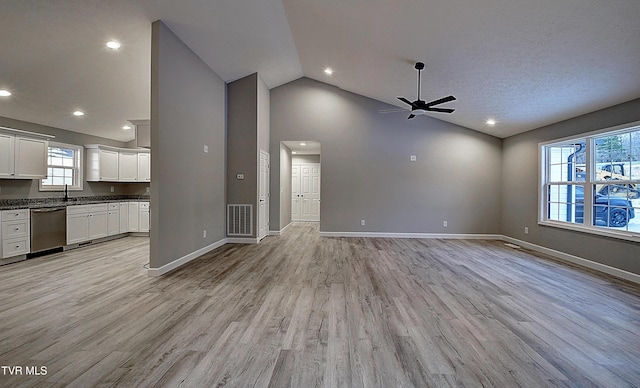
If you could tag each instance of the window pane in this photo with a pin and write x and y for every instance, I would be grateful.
(566, 162)
(56, 161)
(566, 203)
(614, 211)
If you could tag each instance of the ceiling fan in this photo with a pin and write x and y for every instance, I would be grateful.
(420, 107)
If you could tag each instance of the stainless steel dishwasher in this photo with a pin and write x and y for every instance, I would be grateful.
(48, 228)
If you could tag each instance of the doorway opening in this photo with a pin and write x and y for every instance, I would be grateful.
(305, 180)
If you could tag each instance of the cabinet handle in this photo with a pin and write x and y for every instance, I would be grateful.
(17, 246)
(17, 229)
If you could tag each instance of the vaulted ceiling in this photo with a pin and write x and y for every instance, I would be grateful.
(522, 63)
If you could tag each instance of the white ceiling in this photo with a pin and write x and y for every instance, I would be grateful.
(524, 63)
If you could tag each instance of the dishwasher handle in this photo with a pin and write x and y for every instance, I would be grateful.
(48, 210)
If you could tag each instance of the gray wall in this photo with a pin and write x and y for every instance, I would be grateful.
(242, 140)
(366, 172)
(264, 97)
(247, 133)
(520, 191)
(283, 188)
(188, 185)
(28, 188)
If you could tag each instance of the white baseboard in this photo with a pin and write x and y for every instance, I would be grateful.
(279, 232)
(413, 235)
(184, 259)
(620, 273)
(242, 240)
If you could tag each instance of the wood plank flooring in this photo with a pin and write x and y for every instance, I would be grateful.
(304, 311)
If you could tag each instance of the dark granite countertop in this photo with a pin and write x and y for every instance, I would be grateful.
(36, 203)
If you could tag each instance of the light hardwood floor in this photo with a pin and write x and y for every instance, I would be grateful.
(300, 310)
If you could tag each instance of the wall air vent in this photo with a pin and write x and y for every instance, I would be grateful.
(239, 220)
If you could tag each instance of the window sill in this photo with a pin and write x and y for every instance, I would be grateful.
(621, 235)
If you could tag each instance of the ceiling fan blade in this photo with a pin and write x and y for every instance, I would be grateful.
(441, 101)
(442, 110)
(405, 100)
(411, 116)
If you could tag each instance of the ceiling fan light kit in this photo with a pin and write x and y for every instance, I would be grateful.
(420, 107)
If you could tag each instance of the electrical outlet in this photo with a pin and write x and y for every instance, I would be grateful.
(112, 189)
(526, 230)
(204, 233)
(206, 149)
(444, 223)
(148, 189)
(362, 222)
(413, 158)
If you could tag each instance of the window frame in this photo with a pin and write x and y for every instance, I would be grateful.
(78, 167)
(588, 183)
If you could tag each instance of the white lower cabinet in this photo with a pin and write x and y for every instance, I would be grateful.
(77, 224)
(98, 223)
(134, 216)
(113, 218)
(15, 235)
(124, 216)
(86, 222)
(143, 224)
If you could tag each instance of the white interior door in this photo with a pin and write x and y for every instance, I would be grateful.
(295, 192)
(305, 186)
(263, 196)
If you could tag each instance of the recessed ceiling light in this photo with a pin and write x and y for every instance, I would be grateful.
(491, 122)
(78, 113)
(5, 93)
(328, 71)
(126, 127)
(303, 144)
(113, 44)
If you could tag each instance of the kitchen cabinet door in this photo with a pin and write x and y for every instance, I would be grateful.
(77, 228)
(127, 166)
(6, 156)
(134, 216)
(30, 158)
(144, 217)
(108, 165)
(144, 167)
(113, 219)
(124, 217)
(97, 225)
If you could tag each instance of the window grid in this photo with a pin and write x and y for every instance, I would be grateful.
(63, 168)
(593, 182)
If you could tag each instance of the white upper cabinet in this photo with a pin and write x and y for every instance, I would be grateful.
(144, 166)
(108, 165)
(113, 164)
(127, 166)
(7, 160)
(31, 158)
(23, 155)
